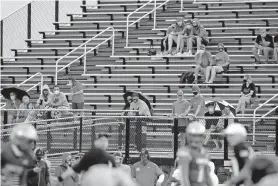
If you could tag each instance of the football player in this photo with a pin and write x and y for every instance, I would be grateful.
(236, 136)
(17, 156)
(194, 158)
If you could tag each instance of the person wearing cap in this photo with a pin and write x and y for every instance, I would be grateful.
(219, 64)
(173, 37)
(96, 155)
(77, 100)
(178, 110)
(248, 93)
(38, 175)
(197, 103)
(198, 36)
(182, 38)
(214, 126)
(264, 42)
(203, 59)
(236, 135)
(145, 172)
(119, 162)
(164, 41)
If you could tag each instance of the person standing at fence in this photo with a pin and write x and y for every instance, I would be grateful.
(96, 155)
(178, 110)
(73, 180)
(145, 172)
(77, 100)
(236, 136)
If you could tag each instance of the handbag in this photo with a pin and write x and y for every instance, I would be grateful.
(151, 51)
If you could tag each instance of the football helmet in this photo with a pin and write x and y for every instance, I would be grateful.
(196, 134)
(236, 133)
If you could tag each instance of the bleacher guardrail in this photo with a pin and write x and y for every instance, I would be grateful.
(85, 51)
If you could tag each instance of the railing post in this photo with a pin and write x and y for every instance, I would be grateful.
(113, 42)
(276, 133)
(1, 42)
(127, 138)
(226, 150)
(176, 137)
(127, 24)
(80, 133)
(182, 5)
(85, 59)
(56, 14)
(29, 22)
(154, 15)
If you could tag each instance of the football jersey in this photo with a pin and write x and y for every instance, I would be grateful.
(198, 166)
(13, 167)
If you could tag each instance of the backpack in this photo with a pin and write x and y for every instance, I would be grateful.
(151, 51)
(187, 77)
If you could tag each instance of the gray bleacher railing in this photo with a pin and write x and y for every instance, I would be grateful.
(129, 134)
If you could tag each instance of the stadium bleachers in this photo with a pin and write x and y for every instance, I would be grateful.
(108, 77)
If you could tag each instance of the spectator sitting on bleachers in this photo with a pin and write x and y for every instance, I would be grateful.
(183, 38)
(263, 43)
(173, 36)
(198, 36)
(226, 112)
(214, 126)
(203, 59)
(248, 91)
(12, 103)
(22, 115)
(276, 48)
(164, 41)
(44, 97)
(221, 65)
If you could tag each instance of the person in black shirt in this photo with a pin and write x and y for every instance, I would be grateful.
(236, 136)
(95, 156)
(214, 125)
(264, 42)
(276, 48)
(248, 93)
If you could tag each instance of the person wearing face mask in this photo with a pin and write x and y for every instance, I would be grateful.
(248, 93)
(39, 174)
(203, 60)
(197, 103)
(197, 36)
(73, 180)
(264, 43)
(220, 64)
(12, 103)
(76, 93)
(22, 115)
(214, 126)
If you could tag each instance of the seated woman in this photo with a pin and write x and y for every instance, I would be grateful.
(248, 91)
(12, 103)
(221, 64)
(164, 41)
(43, 102)
(22, 115)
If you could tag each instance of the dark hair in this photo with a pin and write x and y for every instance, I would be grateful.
(145, 151)
(102, 135)
(55, 86)
(135, 94)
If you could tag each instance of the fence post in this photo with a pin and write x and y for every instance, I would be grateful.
(80, 134)
(5, 134)
(75, 138)
(127, 138)
(226, 152)
(29, 22)
(176, 137)
(1, 42)
(93, 132)
(276, 133)
(56, 14)
(49, 139)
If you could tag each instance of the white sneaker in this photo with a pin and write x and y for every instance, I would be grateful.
(197, 51)
(179, 54)
(185, 53)
(189, 53)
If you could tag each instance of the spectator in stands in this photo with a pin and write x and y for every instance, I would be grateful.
(173, 37)
(221, 64)
(44, 97)
(164, 41)
(203, 59)
(139, 105)
(214, 126)
(145, 172)
(264, 43)
(127, 105)
(12, 103)
(248, 91)
(58, 99)
(77, 101)
(276, 48)
(226, 112)
(182, 38)
(178, 110)
(26, 111)
(197, 103)
(198, 36)
(73, 180)
(119, 162)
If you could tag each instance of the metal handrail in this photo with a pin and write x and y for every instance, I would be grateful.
(254, 114)
(85, 52)
(153, 10)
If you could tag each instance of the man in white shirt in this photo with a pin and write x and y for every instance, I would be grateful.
(140, 105)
